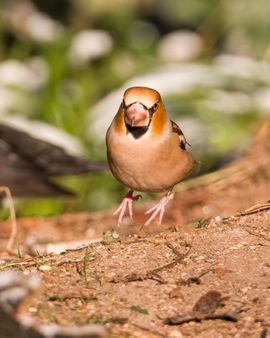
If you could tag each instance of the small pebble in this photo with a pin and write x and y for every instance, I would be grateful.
(175, 334)
(218, 218)
(44, 267)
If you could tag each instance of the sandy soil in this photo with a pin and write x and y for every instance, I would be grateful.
(204, 273)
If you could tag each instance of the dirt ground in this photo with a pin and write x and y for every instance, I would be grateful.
(204, 273)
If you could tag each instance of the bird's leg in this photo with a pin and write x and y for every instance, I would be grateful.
(159, 208)
(127, 202)
(12, 216)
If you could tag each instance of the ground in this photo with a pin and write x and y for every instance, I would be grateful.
(214, 242)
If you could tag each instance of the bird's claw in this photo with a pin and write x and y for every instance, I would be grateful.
(137, 197)
(158, 209)
(126, 203)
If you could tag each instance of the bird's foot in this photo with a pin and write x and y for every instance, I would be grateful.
(126, 203)
(159, 209)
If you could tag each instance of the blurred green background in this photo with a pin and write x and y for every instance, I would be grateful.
(60, 60)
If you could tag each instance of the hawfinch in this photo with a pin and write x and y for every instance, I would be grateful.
(146, 150)
(27, 163)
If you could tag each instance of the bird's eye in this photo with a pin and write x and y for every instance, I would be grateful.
(153, 108)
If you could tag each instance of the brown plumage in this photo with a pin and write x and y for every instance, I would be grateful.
(146, 150)
(27, 163)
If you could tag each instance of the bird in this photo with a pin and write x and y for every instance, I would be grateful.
(146, 151)
(26, 165)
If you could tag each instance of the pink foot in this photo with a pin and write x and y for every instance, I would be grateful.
(127, 202)
(159, 209)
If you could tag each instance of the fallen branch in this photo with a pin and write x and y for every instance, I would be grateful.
(204, 309)
(179, 320)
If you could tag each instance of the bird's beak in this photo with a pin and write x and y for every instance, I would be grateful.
(136, 115)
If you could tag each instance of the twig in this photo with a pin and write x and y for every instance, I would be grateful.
(256, 208)
(54, 298)
(17, 264)
(179, 320)
(153, 274)
(134, 277)
(38, 261)
(194, 279)
(12, 216)
(257, 235)
(174, 250)
(70, 261)
(176, 261)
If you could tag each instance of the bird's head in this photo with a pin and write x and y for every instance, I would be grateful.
(141, 111)
(139, 105)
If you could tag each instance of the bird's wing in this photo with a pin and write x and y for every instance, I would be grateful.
(23, 178)
(176, 129)
(50, 159)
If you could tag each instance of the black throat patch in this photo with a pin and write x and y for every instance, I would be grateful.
(136, 132)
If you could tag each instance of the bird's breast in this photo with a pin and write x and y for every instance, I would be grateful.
(146, 165)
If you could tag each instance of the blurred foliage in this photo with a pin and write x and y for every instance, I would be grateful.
(136, 27)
